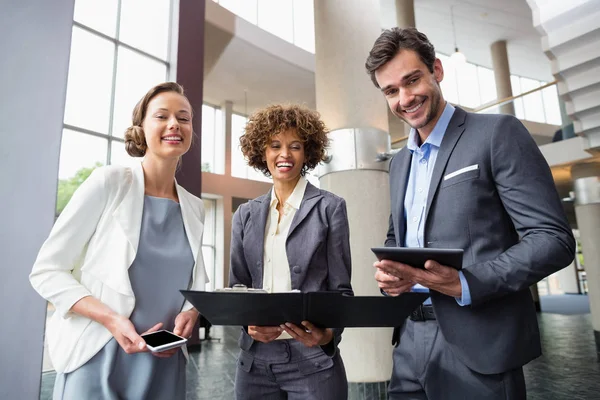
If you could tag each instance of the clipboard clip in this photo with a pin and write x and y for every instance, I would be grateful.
(239, 287)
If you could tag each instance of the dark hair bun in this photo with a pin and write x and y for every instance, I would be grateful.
(135, 141)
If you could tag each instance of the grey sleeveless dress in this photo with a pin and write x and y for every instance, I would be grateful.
(163, 265)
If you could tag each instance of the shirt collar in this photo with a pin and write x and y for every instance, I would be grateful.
(295, 198)
(437, 134)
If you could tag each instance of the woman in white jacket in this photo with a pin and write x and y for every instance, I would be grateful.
(115, 260)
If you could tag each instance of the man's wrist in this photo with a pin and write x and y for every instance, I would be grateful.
(327, 337)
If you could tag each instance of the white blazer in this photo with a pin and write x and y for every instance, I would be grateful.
(89, 251)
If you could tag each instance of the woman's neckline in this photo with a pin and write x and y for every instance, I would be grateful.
(162, 198)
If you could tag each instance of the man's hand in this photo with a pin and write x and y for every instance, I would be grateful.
(390, 284)
(435, 276)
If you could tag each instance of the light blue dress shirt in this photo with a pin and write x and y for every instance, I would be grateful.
(417, 189)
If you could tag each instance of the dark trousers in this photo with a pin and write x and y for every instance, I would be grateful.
(426, 368)
(286, 369)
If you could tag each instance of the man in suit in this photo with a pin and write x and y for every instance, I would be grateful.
(478, 183)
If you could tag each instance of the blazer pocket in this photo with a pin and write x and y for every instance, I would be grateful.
(461, 175)
(245, 361)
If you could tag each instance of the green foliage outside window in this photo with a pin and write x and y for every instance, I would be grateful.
(66, 187)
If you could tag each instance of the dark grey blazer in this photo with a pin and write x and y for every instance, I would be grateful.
(508, 218)
(317, 246)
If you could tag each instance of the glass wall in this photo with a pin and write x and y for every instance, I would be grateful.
(471, 86)
(116, 56)
(213, 140)
(209, 240)
(291, 20)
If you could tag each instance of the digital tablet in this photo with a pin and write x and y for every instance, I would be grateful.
(417, 256)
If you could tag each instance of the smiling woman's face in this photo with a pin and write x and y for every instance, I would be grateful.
(285, 156)
(168, 126)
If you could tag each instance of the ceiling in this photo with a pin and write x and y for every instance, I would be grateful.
(252, 68)
(479, 23)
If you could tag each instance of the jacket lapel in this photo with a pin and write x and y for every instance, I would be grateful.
(129, 211)
(455, 129)
(259, 211)
(402, 166)
(312, 195)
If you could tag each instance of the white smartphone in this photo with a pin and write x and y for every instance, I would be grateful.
(162, 340)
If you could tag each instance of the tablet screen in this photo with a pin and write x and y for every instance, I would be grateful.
(417, 256)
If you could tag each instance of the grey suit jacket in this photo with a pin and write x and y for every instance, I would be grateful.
(317, 246)
(508, 218)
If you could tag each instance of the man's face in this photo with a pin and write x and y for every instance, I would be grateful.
(412, 92)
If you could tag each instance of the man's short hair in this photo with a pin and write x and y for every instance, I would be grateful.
(391, 41)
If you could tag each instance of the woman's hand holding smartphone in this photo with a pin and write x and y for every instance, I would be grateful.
(184, 324)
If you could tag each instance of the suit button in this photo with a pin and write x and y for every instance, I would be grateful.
(317, 364)
(296, 269)
(258, 263)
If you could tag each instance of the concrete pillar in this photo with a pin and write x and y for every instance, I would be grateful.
(34, 78)
(405, 18)
(226, 205)
(405, 13)
(587, 211)
(502, 75)
(226, 114)
(355, 111)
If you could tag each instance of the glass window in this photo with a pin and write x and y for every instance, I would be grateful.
(213, 140)
(532, 103)
(516, 90)
(487, 85)
(209, 240)
(98, 15)
(275, 16)
(304, 25)
(79, 150)
(136, 74)
(80, 154)
(246, 9)
(145, 25)
(468, 84)
(90, 79)
(551, 105)
(238, 163)
(448, 84)
(208, 138)
(118, 155)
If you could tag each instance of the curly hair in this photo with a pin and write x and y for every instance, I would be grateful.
(272, 120)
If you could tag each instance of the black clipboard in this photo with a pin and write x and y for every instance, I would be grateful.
(417, 256)
(324, 309)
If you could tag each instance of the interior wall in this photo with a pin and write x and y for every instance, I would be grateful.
(35, 41)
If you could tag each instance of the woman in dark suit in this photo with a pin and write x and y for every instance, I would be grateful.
(295, 237)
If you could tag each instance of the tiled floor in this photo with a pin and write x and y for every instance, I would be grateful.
(568, 370)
